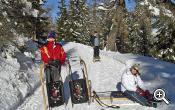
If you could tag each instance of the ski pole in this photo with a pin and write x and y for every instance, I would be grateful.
(42, 84)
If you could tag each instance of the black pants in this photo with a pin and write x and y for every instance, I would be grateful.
(136, 97)
(96, 51)
(53, 71)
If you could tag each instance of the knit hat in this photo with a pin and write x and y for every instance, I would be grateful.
(52, 35)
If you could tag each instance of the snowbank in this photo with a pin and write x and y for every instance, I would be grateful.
(19, 76)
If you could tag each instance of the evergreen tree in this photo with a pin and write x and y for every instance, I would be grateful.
(20, 17)
(73, 22)
(62, 21)
(164, 41)
(139, 27)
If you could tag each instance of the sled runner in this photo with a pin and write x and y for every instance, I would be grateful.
(114, 98)
(42, 86)
(101, 103)
(55, 92)
(112, 95)
(79, 88)
(96, 59)
(85, 75)
(54, 87)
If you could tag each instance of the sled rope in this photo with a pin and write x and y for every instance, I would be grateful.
(96, 97)
(42, 84)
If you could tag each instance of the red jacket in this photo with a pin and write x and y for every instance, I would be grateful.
(52, 51)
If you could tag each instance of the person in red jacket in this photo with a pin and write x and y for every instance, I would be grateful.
(53, 56)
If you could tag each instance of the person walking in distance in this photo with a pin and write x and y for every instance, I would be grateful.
(96, 44)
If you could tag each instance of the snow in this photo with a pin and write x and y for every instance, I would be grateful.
(168, 12)
(154, 31)
(112, 0)
(16, 23)
(102, 8)
(35, 13)
(28, 9)
(156, 11)
(4, 13)
(21, 39)
(28, 54)
(19, 78)
(8, 20)
(15, 85)
(23, 13)
(6, 1)
(28, 4)
(41, 2)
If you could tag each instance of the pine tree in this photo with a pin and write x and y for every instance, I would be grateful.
(62, 21)
(164, 41)
(139, 27)
(73, 22)
(21, 17)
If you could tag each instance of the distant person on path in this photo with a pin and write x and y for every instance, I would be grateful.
(96, 43)
(133, 86)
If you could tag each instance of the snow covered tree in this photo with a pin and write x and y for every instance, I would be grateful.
(140, 30)
(20, 17)
(164, 47)
(73, 22)
(62, 21)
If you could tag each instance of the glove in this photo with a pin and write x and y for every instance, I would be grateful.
(140, 91)
(55, 63)
(148, 95)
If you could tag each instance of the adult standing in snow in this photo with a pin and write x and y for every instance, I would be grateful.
(52, 54)
(133, 86)
(96, 43)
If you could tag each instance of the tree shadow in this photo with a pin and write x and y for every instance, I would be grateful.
(24, 61)
(67, 94)
(74, 75)
(118, 86)
(66, 90)
(70, 51)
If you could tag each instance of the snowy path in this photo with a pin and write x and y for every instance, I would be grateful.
(104, 76)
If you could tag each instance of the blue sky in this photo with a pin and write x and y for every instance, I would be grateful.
(173, 1)
(130, 5)
(54, 5)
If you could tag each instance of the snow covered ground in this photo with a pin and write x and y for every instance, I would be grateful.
(20, 89)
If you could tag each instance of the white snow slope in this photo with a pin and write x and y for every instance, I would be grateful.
(105, 76)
